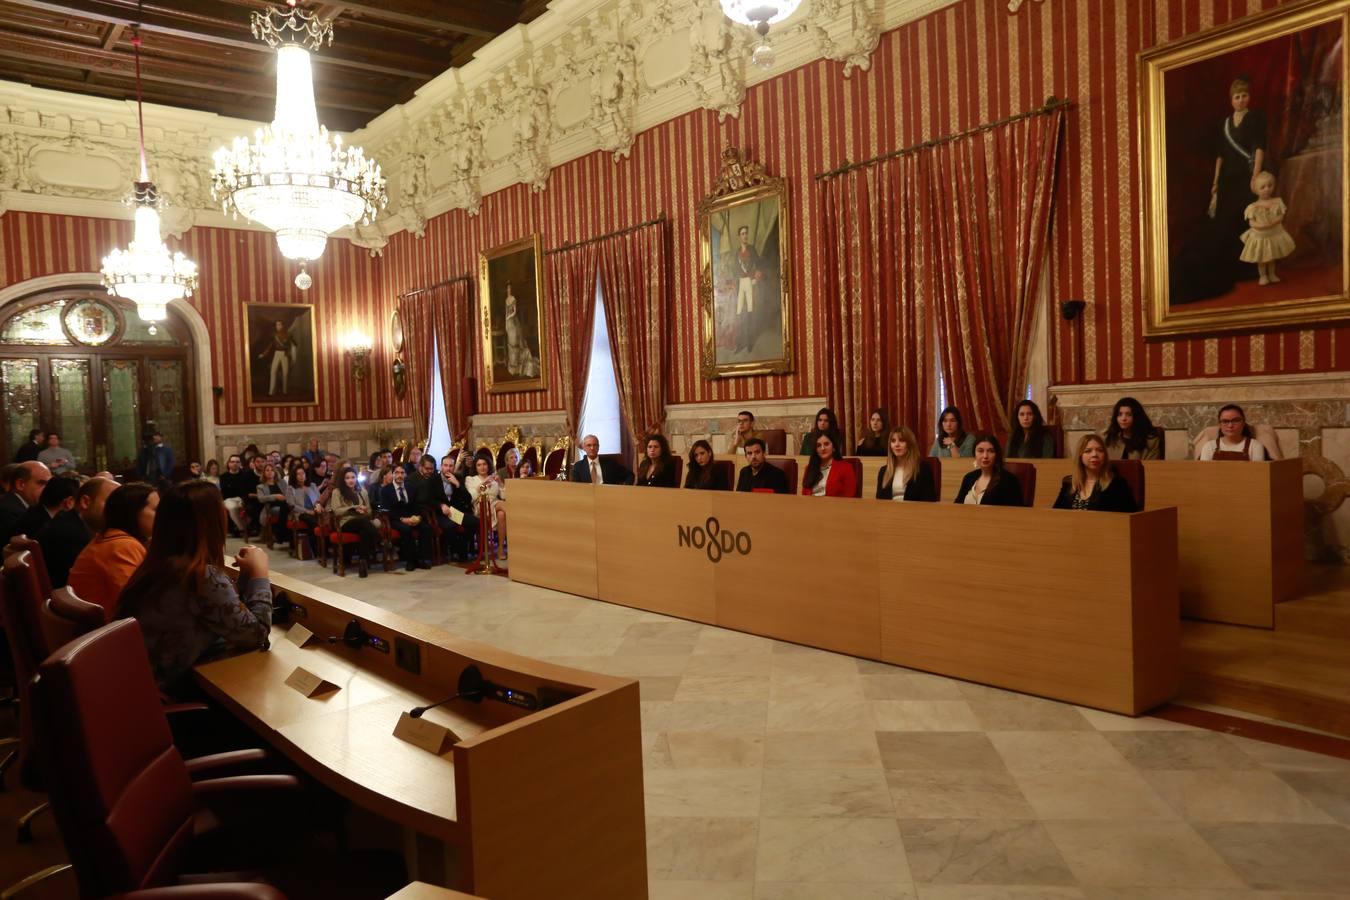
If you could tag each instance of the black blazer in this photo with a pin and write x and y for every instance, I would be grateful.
(433, 495)
(871, 447)
(61, 540)
(717, 480)
(11, 511)
(667, 477)
(1007, 491)
(611, 471)
(920, 489)
(27, 453)
(1116, 497)
(34, 519)
(769, 477)
(389, 502)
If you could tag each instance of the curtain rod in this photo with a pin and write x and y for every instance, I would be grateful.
(569, 245)
(1052, 104)
(440, 284)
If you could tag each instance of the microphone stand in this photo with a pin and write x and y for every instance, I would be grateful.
(471, 687)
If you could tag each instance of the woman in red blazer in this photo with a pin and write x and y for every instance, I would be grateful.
(827, 474)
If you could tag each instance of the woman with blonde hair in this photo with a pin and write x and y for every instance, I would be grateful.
(1094, 485)
(904, 477)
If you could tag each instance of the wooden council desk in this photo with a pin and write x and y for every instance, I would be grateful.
(1079, 607)
(1239, 527)
(544, 803)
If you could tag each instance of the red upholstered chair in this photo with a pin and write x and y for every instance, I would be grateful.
(65, 617)
(1162, 443)
(505, 448)
(21, 542)
(789, 468)
(856, 463)
(21, 602)
(728, 470)
(555, 462)
(617, 458)
(336, 543)
(531, 456)
(1025, 473)
(1132, 470)
(299, 530)
(1058, 432)
(934, 467)
(679, 469)
(775, 441)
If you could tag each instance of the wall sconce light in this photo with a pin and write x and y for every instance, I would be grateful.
(358, 347)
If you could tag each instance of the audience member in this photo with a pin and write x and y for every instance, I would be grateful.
(29, 482)
(105, 566)
(1093, 484)
(58, 527)
(989, 484)
(1131, 434)
(826, 474)
(510, 467)
(235, 484)
(212, 472)
(155, 463)
(303, 500)
(952, 438)
(352, 514)
(1028, 436)
(187, 606)
(31, 447)
(874, 444)
(247, 455)
(194, 472)
(1235, 442)
(591, 469)
(826, 423)
(745, 429)
(703, 475)
(484, 486)
(758, 475)
(452, 505)
(56, 457)
(904, 477)
(313, 454)
(414, 535)
(272, 504)
(7, 473)
(658, 466)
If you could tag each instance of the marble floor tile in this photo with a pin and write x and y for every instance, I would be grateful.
(813, 684)
(759, 664)
(958, 794)
(658, 687)
(1140, 854)
(1056, 751)
(821, 750)
(694, 793)
(909, 686)
(1027, 714)
(923, 715)
(725, 715)
(717, 688)
(1104, 794)
(701, 849)
(1233, 795)
(1179, 750)
(701, 890)
(824, 851)
(1328, 791)
(721, 642)
(1285, 857)
(905, 750)
(769, 890)
(811, 793)
(982, 851)
(715, 750)
(820, 715)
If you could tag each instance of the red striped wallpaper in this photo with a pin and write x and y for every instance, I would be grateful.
(236, 266)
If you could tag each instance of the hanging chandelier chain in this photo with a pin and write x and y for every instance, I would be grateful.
(140, 108)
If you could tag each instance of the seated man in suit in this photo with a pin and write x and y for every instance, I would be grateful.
(446, 492)
(759, 475)
(29, 482)
(405, 518)
(76, 515)
(591, 469)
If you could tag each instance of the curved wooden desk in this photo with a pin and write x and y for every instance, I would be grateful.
(561, 787)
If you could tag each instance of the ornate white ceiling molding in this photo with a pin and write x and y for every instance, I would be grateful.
(586, 75)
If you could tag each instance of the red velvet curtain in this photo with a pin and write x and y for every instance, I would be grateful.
(876, 317)
(415, 314)
(570, 277)
(987, 200)
(634, 279)
(457, 347)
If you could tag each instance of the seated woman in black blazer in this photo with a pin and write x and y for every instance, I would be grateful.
(703, 475)
(905, 477)
(1093, 485)
(989, 484)
(658, 466)
(874, 444)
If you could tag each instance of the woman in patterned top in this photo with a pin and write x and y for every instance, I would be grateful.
(1093, 485)
(186, 604)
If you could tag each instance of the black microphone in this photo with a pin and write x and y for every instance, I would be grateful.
(471, 686)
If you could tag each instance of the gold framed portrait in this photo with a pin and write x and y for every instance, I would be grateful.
(745, 273)
(1244, 172)
(510, 278)
(282, 367)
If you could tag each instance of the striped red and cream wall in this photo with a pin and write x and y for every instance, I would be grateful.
(969, 63)
(235, 267)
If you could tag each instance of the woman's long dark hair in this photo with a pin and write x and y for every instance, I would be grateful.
(874, 441)
(351, 495)
(996, 471)
(812, 476)
(960, 436)
(699, 475)
(189, 535)
(649, 466)
(122, 511)
(833, 430)
(1032, 442)
(1140, 430)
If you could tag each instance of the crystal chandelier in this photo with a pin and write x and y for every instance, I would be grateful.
(760, 14)
(146, 273)
(294, 177)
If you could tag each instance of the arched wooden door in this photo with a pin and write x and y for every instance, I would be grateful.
(85, 365)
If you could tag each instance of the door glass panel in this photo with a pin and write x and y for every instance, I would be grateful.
(139, 331)
(167, 406)
(71, 412)
(19, 393)
(122, 406)
(39, 325)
